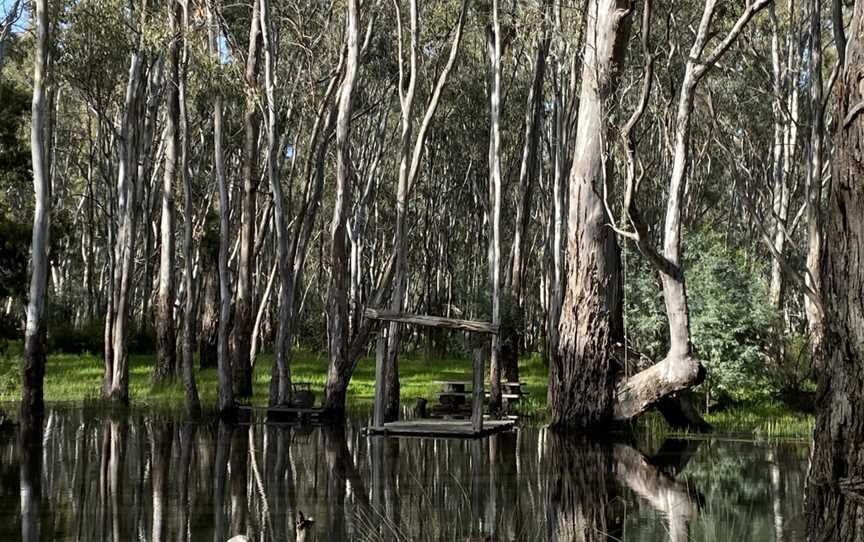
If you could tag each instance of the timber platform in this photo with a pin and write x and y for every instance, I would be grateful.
(440, 428)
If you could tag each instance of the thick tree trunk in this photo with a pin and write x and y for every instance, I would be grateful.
(339, 370)
(226, 386)
(241, 334)
(165, 367)
(581, 373)
(33, 366)
(834, 489)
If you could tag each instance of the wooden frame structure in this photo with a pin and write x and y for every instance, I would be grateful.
(435, 428)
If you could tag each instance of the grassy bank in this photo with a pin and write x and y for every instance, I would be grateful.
(77, 378)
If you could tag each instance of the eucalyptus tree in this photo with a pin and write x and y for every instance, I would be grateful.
(814, 307)
(225, 401)
(337, 296)
(33, 366)
(134, 140)
(528, 170)
(241, 332)
(283, 346)
(833, 506)
(680, 369)
(187, 371)
(581, 371)
(165, 366)
(411, 151)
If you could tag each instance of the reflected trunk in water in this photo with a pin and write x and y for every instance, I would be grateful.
(582, 495)
(30, 453)
(106, 479)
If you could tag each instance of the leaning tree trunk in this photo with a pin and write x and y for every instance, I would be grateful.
(581, 372)
(33, 368)
(242, 332)
(679, 370)
(166, 335)
(834, 489)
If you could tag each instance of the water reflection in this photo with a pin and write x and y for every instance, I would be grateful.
(93, 477)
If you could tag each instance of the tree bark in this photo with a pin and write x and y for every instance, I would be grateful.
(581, 373)
(494, 48)
(165, 367)
(286, 283)
(33, 366)
(191, 312)
(241, 333)
(338, 372)
(226, 385)
(813, 277)
(836, 480)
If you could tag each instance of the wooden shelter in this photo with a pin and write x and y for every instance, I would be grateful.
(477, 426)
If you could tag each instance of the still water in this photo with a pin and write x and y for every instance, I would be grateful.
(140, 476)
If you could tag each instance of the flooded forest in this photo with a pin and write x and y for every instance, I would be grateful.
(391, 270)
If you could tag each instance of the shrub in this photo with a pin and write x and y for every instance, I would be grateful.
(67, 338)
(731, 321)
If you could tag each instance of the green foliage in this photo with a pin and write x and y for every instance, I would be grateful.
(67, 338)
(14, 148)
(731, 320)
(14, 254)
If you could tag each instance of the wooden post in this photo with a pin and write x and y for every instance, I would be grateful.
(477, 403)
(380, 355)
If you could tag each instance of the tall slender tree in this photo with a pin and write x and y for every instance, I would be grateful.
(226, 385)
(164, 370)
(337, 296)
(241, 333)
(33, 367)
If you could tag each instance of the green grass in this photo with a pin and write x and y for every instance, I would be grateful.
(764, 419)
(77, 379)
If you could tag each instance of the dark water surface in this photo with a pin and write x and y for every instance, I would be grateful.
(147, 477)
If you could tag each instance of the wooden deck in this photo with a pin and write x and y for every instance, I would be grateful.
(440, 428)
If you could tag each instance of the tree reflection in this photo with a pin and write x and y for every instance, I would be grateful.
(130, 477)
(30, 454)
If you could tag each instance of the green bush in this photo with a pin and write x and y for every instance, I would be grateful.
(731, 321)
(67, 338)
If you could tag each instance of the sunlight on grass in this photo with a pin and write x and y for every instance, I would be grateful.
(77, 378)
